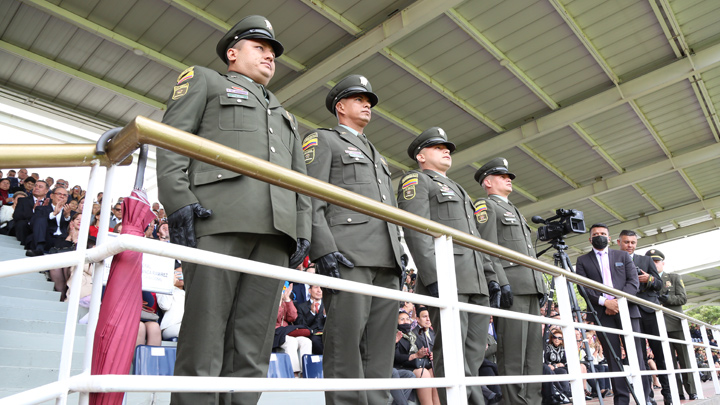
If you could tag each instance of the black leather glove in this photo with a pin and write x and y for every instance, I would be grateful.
(301, 251)
(181, 224)
(663, 298)
(328, 265)
(494, 291)
(543, 300)
(506, 297)
(433, 289)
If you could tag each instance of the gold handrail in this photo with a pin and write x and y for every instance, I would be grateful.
(146, 131)
(46, 155)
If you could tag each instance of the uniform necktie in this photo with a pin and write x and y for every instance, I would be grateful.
(607, 278)
(265, 93)
(363, 138)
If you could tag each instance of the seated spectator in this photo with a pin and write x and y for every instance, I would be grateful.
(116, 216)
(174, 307)
(410, 355)
(599, 363)
(9, 228)
(95, 222)
(14, 181)
(76, 193)
(25, 209)
(28, 185)
(291, 339)
(149, 328)
(554, 356)
(86, 282)
(409, 308)
(301, 292)
(5, 198)
(50, 181)
(35, 176)
(49, 224)
(401, 396)
(311, 314)
(61, 276)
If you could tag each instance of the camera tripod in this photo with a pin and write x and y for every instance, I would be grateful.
(561, 259)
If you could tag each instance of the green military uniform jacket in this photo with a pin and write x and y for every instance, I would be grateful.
(501, 223)
(338, 157)
(436, 197)
(232, 111)
(674, 287)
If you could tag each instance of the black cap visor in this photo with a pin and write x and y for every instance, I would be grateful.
(355, 90)
(431, 142)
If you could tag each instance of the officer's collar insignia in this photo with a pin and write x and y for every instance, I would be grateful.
(364, 81)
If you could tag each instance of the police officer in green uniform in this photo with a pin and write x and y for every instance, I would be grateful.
(673, 296)
(428, 192)
(359, 330)
(228, 325)
(522, 289)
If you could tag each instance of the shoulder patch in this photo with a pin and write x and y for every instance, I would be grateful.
(310, 141)
(309, 155)
(409, 180)
(481, 217)
(408, 192)
(480, 211)
(186, 74)
(181, 90)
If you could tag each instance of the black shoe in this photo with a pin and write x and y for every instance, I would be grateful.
(497, 399)
(682, 397)
(33, 253)
(693, 397)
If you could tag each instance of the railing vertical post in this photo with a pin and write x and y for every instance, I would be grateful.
(74, 298)
(631, 349)
(450, 319)
(98, 270)
(667, 355)
(711, 363)
(572, 355)
(690, 348)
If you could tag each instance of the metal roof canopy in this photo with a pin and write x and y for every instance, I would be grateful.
(608, 107)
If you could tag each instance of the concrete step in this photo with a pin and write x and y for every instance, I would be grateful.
(22, 281)
(25, 378)
(21, 302)
(35, 358)
(46, 341)
(31, 313)
(19, 292)
(39, 327)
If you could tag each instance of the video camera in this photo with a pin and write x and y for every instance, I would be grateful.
(563, 223)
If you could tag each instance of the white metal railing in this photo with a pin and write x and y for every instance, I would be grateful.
(450, 308)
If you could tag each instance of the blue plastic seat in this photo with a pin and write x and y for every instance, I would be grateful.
(154, 360)
(280, 366)
(312, 366)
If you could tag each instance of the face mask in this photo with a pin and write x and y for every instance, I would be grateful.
(404, 328)
(599, 242)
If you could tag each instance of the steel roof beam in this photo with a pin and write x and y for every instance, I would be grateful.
(333, 16)
(51, 64)
(690, 184)
(649, 128)
(649, 199)
(390, 31)
(596, 147)
(648, 83)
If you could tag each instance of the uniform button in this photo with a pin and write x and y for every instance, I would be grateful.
(271, 131)
(379, 181)
(239, 100)
(469, 216)
(219, 176)
(269, 111)
(349, 220)
(472, 232)
(272, 149)
(384, 198)
(376, 166)
(357, 158)
(450, 196)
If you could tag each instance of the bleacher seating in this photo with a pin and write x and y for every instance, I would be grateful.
(280, 366)
(312, 366)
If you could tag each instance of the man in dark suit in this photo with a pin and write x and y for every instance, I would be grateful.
(250, 218)
(49, 223)
(359, 330)
(614, 268)
(673, 296)
(650, 285)
(311, 313)
(24, 210)
(429, 193)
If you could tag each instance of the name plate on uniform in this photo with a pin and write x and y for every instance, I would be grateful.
(158, 272)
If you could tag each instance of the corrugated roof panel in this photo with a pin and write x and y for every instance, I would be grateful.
(89, 53)
(79, 7)
(145, 79)
(197, 36)
(698, 21)
(593, 213)
(531, 175)
(75, 92)
(7, 14)
(367, 14)
(565, 150)
(627, 34)
(51, 83)
(26, 25)
(556, 82)
(26, 74)
(53, 38)
(135, 110)
(677, 117)
(126, 68)
(706, 177)
(623, 136)
(669, 190)
(139, 18)
(168, 26)
(712, 83)
(627, 202)
(8, 64)
(109, 13)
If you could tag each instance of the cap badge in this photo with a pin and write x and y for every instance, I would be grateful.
(267, 23)
(364, 81)
(505, 162)
(441, 132)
